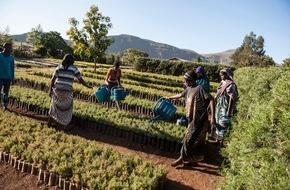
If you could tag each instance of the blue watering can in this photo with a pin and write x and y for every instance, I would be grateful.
(163, 110)
(103, 94)
(119, 93)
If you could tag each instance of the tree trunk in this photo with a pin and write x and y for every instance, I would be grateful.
(95, 65)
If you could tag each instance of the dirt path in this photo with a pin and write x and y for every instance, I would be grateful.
(204, 176)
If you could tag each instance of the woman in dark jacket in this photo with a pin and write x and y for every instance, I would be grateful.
(197, 101)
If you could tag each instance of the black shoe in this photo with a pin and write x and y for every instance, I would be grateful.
(4, 108)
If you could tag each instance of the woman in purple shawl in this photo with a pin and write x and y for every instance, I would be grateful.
(225, 105)
(202, 79)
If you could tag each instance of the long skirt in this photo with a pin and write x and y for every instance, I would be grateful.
(61, 107)
(193, 146)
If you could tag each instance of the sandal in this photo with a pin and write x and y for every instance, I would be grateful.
(176, 162)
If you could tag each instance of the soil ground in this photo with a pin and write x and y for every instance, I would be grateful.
(203, 176)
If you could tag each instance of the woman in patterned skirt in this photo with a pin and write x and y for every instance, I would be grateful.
(225, 99)
(61, 91)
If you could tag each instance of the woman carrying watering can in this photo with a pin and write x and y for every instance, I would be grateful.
(61, 91)
(197, 101)
(225, 99)
(113, 77)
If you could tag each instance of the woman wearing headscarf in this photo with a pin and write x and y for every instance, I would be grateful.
(61, 91)
(225, 104)
(197, 101)
(202, 79)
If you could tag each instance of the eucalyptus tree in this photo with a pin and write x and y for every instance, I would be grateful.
(251, 52)
(91, 42)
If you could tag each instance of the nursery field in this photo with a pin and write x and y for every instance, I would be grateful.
(107, 148)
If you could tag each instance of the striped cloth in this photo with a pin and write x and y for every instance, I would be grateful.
(66, 76)
(61, 107)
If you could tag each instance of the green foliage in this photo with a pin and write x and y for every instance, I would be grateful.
(111, 58)
(286, 63)
(5, 37)
(197, 59)
(51, 44)
(81, 160)
(34, 35)
(176, 68)
(252, 53)
(259, 149)
(91, 41)
(130, 55)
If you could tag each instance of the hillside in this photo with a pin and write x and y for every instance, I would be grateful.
(223, 57)
(155, 49)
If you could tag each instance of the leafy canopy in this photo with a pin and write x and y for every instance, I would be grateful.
(130, 55)
(91, 41)
(252, 53)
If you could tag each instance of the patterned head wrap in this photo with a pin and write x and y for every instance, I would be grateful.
(190, 75)
(228, 72)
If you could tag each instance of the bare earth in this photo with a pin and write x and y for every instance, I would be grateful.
(204, 176)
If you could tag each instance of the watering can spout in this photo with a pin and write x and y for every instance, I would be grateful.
(127, 92)
(156, 118)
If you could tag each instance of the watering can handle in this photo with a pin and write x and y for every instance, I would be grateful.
(115, 87)
(101, 87)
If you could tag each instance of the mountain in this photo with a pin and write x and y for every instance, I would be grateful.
(20, 37)
(221, 57)
(155, 49)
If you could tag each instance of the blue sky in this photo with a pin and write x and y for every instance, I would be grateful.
(204, 26)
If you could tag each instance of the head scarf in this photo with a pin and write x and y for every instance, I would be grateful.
(228, 72)
(200, 69)
(190, 75)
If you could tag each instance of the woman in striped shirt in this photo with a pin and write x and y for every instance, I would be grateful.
(61, 91)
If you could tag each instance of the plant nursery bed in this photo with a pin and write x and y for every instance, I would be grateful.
(203, 176)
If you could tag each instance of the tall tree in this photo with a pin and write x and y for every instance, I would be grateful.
(91, 41)
(5, 36)
(197, 59)
(34, 35)
(51, 44)
(251, 52)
